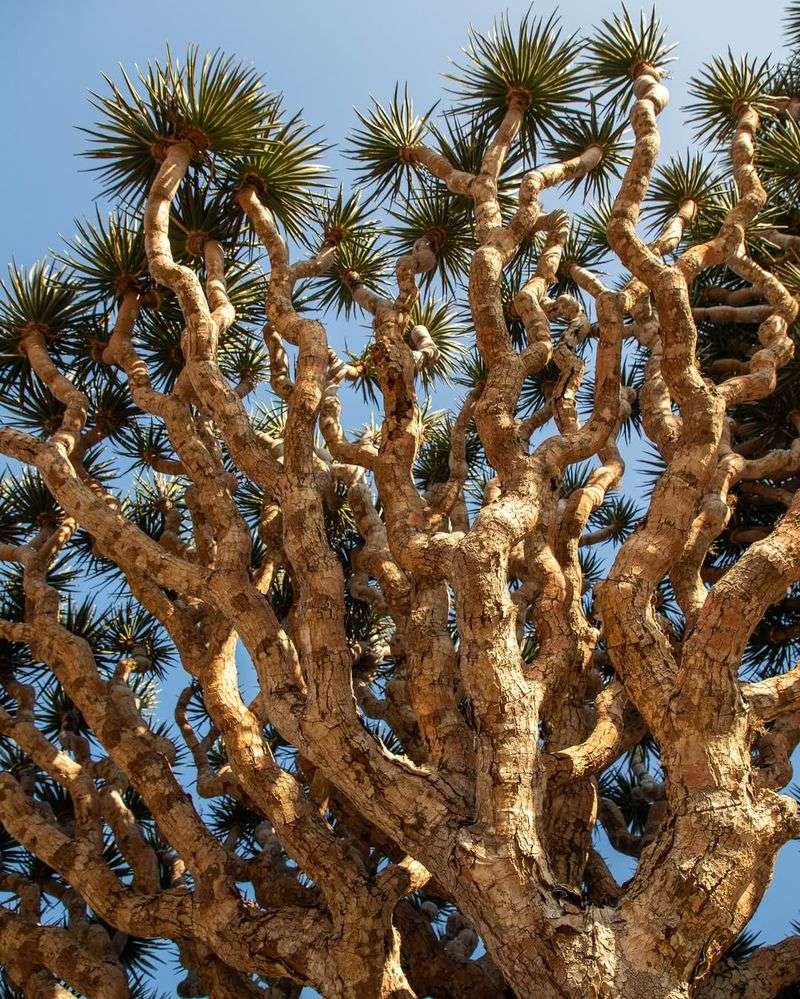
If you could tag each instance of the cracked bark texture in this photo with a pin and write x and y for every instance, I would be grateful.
(450, 698)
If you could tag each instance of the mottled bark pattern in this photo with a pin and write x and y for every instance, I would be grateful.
(491, 805)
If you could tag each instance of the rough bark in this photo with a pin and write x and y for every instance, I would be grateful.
(490, 804)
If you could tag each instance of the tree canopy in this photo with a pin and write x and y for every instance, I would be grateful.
(372, 708)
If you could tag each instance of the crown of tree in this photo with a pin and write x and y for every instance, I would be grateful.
(472, 638)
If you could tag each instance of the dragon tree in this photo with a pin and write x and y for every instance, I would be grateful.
(339, 648)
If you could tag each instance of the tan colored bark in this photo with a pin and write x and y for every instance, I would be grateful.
(492, 804)
(761, 976)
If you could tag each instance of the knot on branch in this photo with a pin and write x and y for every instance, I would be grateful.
(519, 98)
(196, 240)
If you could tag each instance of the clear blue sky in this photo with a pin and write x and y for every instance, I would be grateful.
(326, 58)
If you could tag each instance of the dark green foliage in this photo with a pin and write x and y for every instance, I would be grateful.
(719, 90)
(619, 514)
(41, 298)
(432, 213)
(111, 408)
(742, 947)
(712, 215)
(130, 632)
(215, 103)
(28, 503)
(37, 412)
(359, 260)
(677, 181)
(536, 390)
(536, 61)
(285, 171)
(792, 24)
(107, 257)
(229, 818)
(591, 226)
(339, 220)
(631, 375)
(198, 214)
(582, 249)
(774, 646)
(582, 130)
(464, 142)
(621, 49)
(620, 787)
(144, 441)
(432, 464)
(378, 148)
(446, 332)
(159, 338)
(778, 154)
(243, 363)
